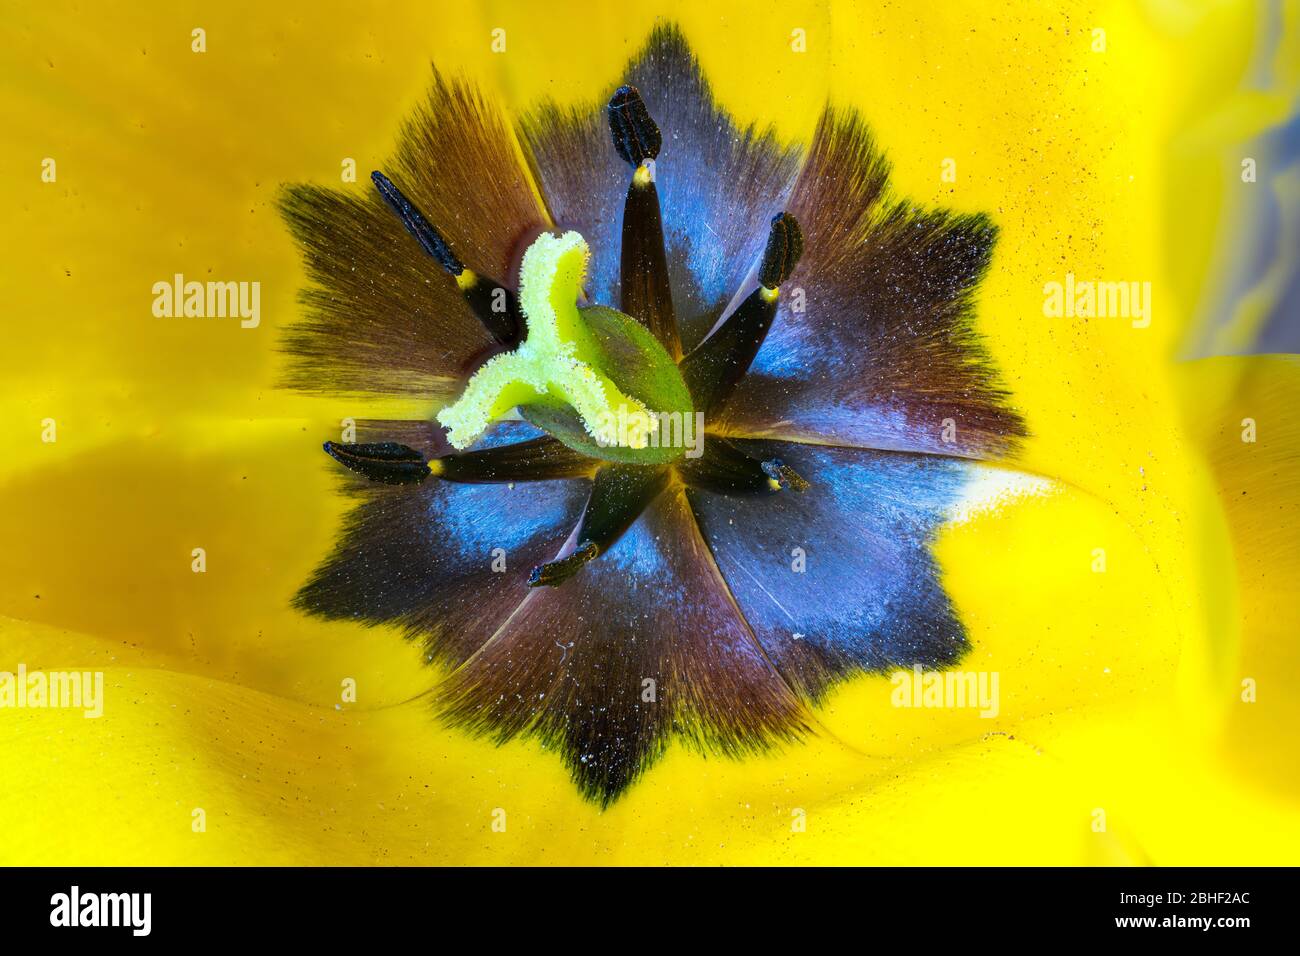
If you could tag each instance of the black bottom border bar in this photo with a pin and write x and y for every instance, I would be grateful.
(334, 905)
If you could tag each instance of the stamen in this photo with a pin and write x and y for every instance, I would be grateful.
(561, 569)
(636, 136)
(644, 290)
(494, 305)
(618, 496)
(538, 459)
(428, 237)
(728, 470)
(784, 247)
(388, 461)
(718, 364)
(780, 475)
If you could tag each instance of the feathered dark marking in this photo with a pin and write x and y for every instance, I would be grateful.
(376, 322)
(881, 350)
(869, 597)
(695, 592)
(571, 665)
(456, 158)
(416, 339)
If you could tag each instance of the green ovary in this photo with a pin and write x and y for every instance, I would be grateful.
(559, 359)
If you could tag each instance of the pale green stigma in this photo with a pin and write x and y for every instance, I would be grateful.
(558, 360)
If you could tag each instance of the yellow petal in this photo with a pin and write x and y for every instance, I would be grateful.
(171, 436)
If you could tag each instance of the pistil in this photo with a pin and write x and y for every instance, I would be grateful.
(556, 362)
